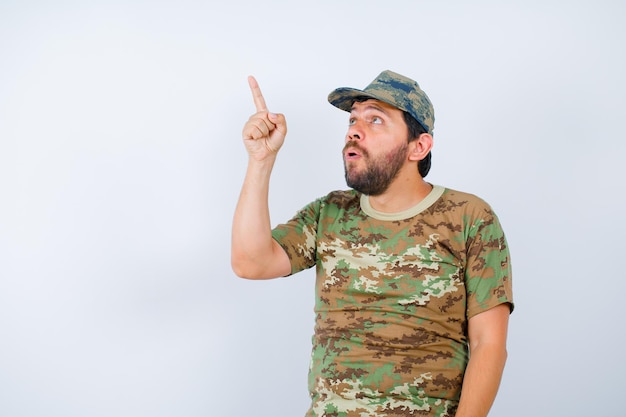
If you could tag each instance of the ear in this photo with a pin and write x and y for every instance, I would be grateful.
(419, 148)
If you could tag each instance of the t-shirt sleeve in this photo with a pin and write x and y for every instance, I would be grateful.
(298, 237)
(488, 268)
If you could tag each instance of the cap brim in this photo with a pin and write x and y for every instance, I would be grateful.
(343, 97)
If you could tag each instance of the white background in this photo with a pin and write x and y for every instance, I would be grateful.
(121, 161)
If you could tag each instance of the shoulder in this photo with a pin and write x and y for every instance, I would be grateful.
(476, 217)
(332, 204)
(340, 199)
(463, 202)
(465, 212)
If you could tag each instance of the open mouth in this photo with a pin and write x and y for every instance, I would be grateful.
(351, 153)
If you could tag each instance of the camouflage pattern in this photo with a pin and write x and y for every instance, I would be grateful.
(393, 298)
(395, 89)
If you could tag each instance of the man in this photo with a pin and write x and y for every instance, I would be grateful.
(413, 288)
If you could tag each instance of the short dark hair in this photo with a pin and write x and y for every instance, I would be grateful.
(415, 130)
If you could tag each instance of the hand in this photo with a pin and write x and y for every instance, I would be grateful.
(264, 133)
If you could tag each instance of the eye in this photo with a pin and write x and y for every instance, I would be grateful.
(377, 120)
(351, 121)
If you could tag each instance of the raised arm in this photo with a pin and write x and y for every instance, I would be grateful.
(254, 253)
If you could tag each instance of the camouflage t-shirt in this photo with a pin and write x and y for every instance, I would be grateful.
(393, 296)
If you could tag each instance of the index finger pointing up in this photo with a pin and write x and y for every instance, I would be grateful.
(257, 96)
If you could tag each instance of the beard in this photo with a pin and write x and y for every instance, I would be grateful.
(379, 172)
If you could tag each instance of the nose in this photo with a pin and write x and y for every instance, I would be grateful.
(354, 132)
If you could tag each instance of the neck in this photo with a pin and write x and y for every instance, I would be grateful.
(401, 195)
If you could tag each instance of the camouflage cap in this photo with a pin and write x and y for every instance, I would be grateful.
(397, 90)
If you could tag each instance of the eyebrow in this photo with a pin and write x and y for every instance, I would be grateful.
(369, 107)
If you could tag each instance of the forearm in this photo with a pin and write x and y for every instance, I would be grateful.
(254, 254)
(482, 380)
(252, 244)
